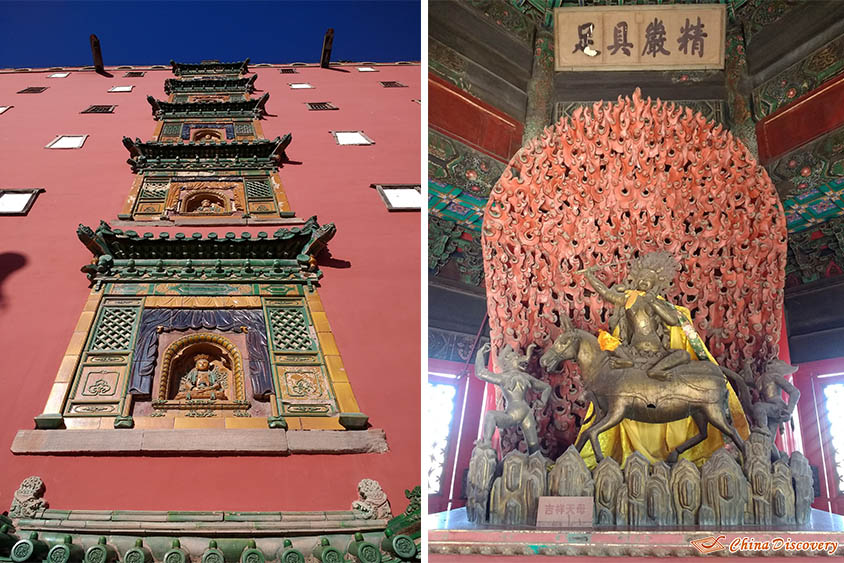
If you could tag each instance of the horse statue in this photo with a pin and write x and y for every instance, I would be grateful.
(697, 389)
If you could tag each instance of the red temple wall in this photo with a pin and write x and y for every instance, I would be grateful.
(373, 305)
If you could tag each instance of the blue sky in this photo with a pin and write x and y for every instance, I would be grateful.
(49, 33)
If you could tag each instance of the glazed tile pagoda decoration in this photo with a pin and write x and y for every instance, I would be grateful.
(212, 334)
(660, 316)
(208, 163)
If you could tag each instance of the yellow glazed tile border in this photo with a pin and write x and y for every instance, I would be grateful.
(293, 422)
(314, 302)
(127, 401)
(320, 321)
(280, 194)
(55, 400)
(204, 301)
(336, 370)
(154, 422)
(328, 344)
(67, 369)
(86, 319)
(133, 195)
(86, 423)
(345, 398)
(320, 423)
(184, 422)
(346, 401)
(244, 422)
(77, 342)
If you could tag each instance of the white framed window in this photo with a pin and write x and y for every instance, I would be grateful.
(121, 89)
(400, 197)
(351, 138)
(299, 85)
(18, 202)
(4, 108)
(367, 69)
(67, 142)
(59, 75)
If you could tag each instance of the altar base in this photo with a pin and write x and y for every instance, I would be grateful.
(451, 533)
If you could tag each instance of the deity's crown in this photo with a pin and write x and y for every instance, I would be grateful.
(205, 357)
(661, 263)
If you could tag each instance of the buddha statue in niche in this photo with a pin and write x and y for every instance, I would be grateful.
(208, 206)
(207, 380)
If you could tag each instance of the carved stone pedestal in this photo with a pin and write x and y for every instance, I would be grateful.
(723, 493)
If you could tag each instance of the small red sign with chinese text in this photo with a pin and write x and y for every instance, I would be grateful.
(560, 512)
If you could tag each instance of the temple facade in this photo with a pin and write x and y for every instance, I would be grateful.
(534, 178)
(183, 382)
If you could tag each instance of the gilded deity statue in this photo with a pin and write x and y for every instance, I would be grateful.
(207, 380)
(651, 334)
(514, 382)
(643, 320)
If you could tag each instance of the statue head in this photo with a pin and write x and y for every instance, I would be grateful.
(779, 367)
(509, 358)
(206, 203)
(370, 490)
(565, 347)
(653, 272)
(202, 361)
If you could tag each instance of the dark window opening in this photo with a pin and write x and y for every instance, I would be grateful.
(99, 109)
(321, 106)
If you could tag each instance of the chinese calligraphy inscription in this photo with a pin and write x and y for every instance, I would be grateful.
(619, 38)
(640, 37)
(693, 34)
(585, 41)
(655, 39)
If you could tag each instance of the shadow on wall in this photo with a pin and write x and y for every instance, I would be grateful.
(327, 260)
(9, 263)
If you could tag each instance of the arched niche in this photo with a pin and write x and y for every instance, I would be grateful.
(205, 203)
(202, 366)
(207, 135)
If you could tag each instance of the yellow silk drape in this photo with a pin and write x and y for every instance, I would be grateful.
(656, 441)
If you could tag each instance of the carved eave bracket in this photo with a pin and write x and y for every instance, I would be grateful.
(287, 256)
(252, 155)
(187, 69)
(253, 109)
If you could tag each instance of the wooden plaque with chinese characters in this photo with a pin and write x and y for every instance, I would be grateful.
(640, 37)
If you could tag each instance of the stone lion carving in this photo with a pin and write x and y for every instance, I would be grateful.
(372, 502)
(27, 500)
